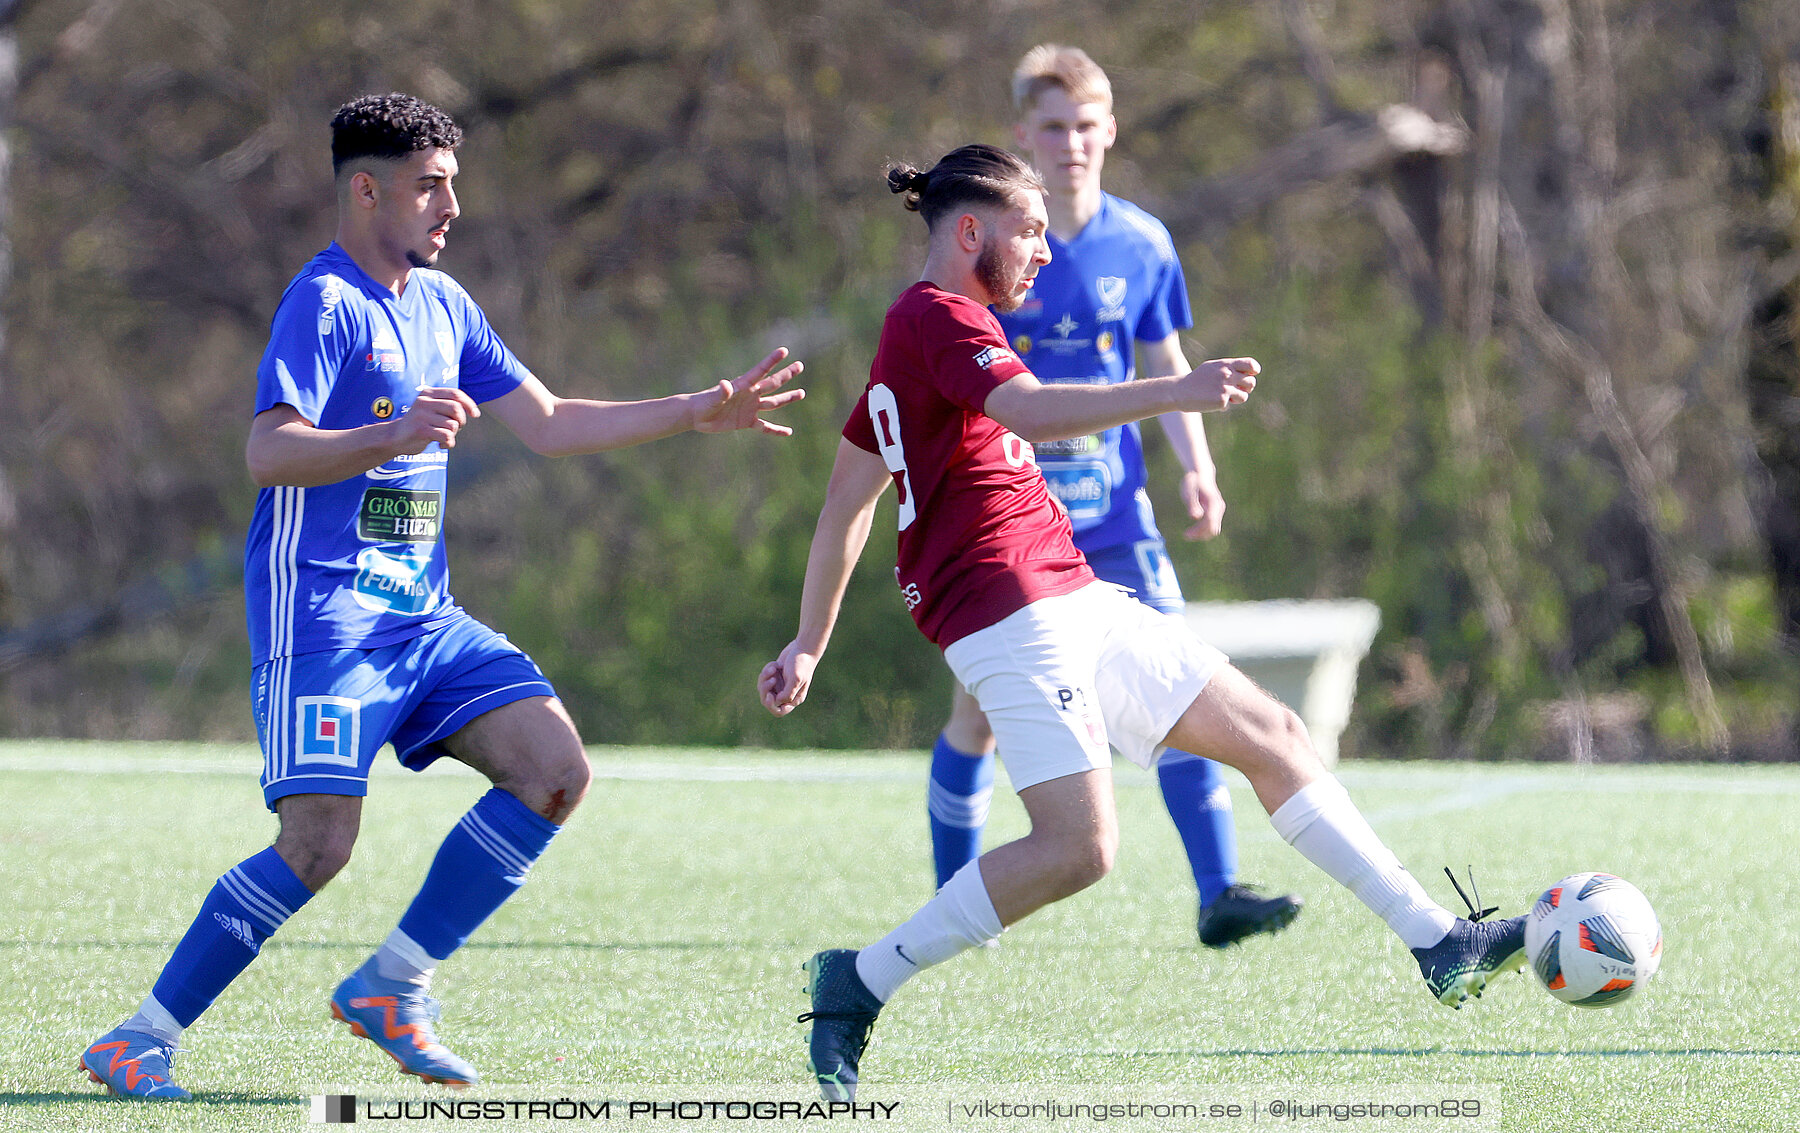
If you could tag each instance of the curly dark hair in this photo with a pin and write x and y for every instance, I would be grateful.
(389, 126)
(982, 175)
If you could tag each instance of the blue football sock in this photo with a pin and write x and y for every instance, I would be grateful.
(961, 787)
(483, 861)
(1200, 804)
(246, 906)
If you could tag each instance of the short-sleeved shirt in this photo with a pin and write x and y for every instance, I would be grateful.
(360, 563)
(980, 534)
(1117, 283)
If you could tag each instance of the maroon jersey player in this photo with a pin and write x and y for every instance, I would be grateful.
(962, 565)
(1064, 666)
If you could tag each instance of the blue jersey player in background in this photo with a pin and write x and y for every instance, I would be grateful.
(375, 364)
(1113, 287)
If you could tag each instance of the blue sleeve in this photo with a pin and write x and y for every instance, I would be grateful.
(312, 333)
(1167, 311)
(487, 368)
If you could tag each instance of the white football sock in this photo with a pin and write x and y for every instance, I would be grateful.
(959, 918)
(153, 1018)
(1321, 822)
(401, 958)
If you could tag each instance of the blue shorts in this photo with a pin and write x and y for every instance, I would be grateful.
(1144, 569)
(321, 717)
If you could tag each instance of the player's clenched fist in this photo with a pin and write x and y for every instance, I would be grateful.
(437, 414)
(1220, 383)
(784, 682)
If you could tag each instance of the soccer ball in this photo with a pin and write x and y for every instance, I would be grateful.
(1593, 939)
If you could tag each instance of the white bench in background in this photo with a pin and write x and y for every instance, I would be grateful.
(1305, 652)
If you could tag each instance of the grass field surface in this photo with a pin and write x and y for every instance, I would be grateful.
(655, 953)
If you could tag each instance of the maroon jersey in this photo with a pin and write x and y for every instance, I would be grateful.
(980, 534)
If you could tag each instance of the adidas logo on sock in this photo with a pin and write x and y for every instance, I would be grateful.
(239, 929)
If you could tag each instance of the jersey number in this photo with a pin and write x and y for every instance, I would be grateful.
(884, 413)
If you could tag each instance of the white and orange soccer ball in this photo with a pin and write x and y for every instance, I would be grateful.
(1593, 939)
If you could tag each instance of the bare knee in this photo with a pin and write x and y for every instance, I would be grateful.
(530, 750)
(1286, 734)
(550, 783)
(1282, 759)
(318, 833)
(1074, 862)
(558, 786)
(1243, 726)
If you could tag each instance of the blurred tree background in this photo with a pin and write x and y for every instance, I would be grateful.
(1524, 276)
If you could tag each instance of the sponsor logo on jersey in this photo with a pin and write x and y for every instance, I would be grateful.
(1104, 343)
(1111, 290)
(394, 469)
(908, 590)
(399, 515)
(328, 729)
(989, 355)
(383, 408)
(1062, 345)
(384, 353)
(331, 293)
(393, 583)
(1074, 446)
(1022, 345)
(1084, 489)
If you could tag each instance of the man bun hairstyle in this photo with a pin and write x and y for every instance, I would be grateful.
(389, 127)
(1053, 65)
(981, 175)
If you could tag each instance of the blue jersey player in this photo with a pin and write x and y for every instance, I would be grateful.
(1113, 288)
(375, 364)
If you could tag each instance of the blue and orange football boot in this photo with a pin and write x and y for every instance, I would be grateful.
(397, 1016)
(133, 1064)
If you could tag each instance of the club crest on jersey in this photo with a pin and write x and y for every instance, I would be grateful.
(328, 727)
(989, 355)
(1111, 289)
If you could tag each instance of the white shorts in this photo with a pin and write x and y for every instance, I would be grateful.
(1062, 678)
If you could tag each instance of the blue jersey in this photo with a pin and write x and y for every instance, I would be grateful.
(360, 563)
(1117, 282)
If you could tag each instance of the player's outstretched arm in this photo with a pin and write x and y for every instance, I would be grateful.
(1039, 412)
(858, 478)
(565, 426)
(285, 449)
